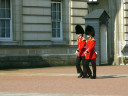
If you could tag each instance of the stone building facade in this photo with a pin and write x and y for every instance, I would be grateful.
(42, 32)
(117, 29)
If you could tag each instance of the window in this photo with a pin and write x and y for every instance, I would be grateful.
(56, 15)
(5, 20)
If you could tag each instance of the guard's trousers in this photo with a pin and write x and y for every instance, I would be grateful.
(78, 67)
(93, 62)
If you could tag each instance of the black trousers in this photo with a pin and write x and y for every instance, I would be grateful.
(93, 62)
(78, 67)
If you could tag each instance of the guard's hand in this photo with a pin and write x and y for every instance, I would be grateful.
(85, 52)
(76, 52)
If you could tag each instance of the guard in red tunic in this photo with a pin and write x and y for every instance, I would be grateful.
(80, 52)
(90, 54)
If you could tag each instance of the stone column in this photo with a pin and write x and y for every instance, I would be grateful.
(111, 28)
(17, 8)
(118, 34)
(122, 31)
(66, 21)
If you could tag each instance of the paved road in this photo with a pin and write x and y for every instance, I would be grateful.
(63, 81)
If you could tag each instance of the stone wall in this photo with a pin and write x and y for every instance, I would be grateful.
(79, 8)
(125, 33)
(126, 19)
(32, 43)
(36, 56)
(36, 22)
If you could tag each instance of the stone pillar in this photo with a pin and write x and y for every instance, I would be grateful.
(66, 21)
(17, 8)
(122, 31)
(111, 28)
(118, 34)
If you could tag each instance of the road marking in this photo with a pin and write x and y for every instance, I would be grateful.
(36, 74)
(45, 94)
(60, 74)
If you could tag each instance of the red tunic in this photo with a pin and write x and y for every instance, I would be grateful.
(90, 47)
(81, 46)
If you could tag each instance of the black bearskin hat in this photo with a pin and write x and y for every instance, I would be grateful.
(90, 31)
(79, 29)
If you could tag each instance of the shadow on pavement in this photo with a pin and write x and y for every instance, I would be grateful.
(111, 76)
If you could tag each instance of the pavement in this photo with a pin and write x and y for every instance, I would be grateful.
(63, 81)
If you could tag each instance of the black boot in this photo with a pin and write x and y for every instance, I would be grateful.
(85, 76)
(90, 76)
(80, 75)
(93, 77)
